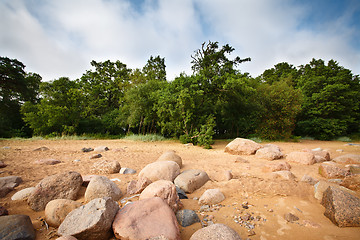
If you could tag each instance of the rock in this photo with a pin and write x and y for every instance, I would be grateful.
(321, 155)
(91, 221)
(269, 152)
(241, 160)
(331, 170)
(171, 156)
(348, 159)
(222, 176)
(211, 196)
(95, 156)
(47, 161)
(101, 149)
(354, 168)
(3, 211)
(87, 179)
(286, 175)
(66, 238)
(164, 189)
(321, 186)
(187, 217)
(22, 194)
(101, 186)
(2, 164)
(306, 158)
(42, 149)
(127, 171)
(242, 146)
(276, 166)
(164, 170)
(56, 210)
(341, 207)
(16, 227)
(7, 184)
(308, 179)
(63, 185)
(216, 232)
(289, 217)
(191, 180)
(144, 219)
(137, 186)
(106, 167)
(87, 149)
(340, 150)
(181, 193)
(352, 182)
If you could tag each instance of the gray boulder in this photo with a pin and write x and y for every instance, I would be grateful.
(216, 232)
(211, 196)
(171, 156)
(331, 170)
(191, 180)
(163, 170)
(242, 146)
(91, 221)
(7, 184)
(63, 185)
(269, 152)
(101, 186)
(16, 227)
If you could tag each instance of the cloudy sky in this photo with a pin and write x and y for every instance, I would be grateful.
(60, 37)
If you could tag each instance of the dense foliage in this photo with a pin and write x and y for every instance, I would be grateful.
(218, 100)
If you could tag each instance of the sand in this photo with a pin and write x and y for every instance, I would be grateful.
(267, 198)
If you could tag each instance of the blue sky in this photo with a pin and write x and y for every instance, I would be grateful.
(60, 38)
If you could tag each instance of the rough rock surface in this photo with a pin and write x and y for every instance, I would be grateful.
(56, 210)
(286, 175)
(269, 152)
(164, 170)
(242, 146)
(164, 189)
(106, 167)
(191, 180)
(145, 219)
(352, 182)
(171, 156)
(321, 155)
(137, 186)
(91, 221)
(211, 196)
(216, 232)
(276, 166)
(101, 186)
(348, 159)
(342, 208)
(331, 170)
(22, 194)
(306, 158)
(7, 184)
(187, 217)
(63, 185)
(16, 227)
(321, 186)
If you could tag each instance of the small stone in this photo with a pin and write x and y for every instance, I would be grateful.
(77, 160)
(241, 160)
(47, 161)
(96, 156)
(41, 149)
(101, 149)
(289, 217)
(212, 196)
(181, 193)
(127, 171)
(87, 149)
(251, 233)
(187, 217)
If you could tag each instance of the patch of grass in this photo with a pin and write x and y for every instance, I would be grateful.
(307, 138)
(344, 139)
(256, 139)
(145, 138)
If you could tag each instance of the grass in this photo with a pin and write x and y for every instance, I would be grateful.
(145, 138)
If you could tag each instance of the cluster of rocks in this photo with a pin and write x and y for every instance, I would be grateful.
(342, 174)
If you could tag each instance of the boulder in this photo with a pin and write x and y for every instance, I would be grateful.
(164, 189)
(211, 196)
(56, 210)
(352, 182)
(276, 166)
(286, 175)
(101, 186)
(331, 170)
(145, 219)
(242, 146)
(191, 180)
(164, 170)
(321, 186)
(306, 158)
(216, 232)
(106, 167)
(47, 161)
(101, 149)
(171, 156)
(63, 185)
(91, 221)
(269, 152)
(66, 238)
(321, 155)
(22, 194)
(348, 159)
(7, 184)
(137, 186)
(187, 217)
(341, 207)
(16, 227)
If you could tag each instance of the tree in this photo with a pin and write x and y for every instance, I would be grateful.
(331, 100)
(155, 69)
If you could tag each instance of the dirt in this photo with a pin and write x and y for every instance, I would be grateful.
(265, 199)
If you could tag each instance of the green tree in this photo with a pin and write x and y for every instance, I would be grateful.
(331, 100)
(155, 69)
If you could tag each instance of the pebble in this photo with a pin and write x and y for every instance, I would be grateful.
(340, 150)
(77, 160)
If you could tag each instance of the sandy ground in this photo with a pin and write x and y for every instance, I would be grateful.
(268, 198)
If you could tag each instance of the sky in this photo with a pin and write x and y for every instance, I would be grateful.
(57, 38)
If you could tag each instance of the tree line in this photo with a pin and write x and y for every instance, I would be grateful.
(317, 100)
